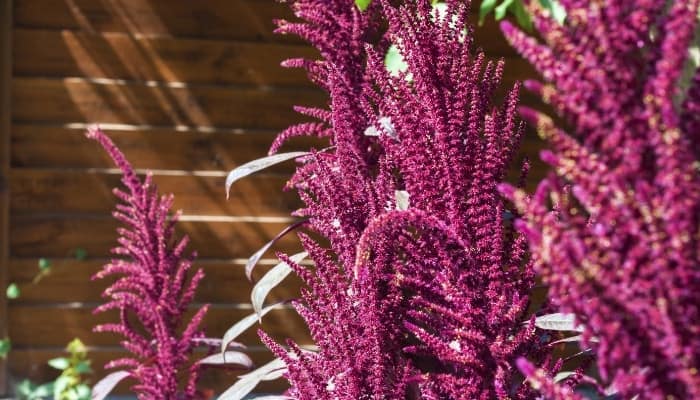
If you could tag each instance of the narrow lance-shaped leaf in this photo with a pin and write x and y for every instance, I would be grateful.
(241, 326)
(246, 383)
(228, 358)
(271, 279)
(255, 258)
(107, 384)
(558, 322)
(257, 165)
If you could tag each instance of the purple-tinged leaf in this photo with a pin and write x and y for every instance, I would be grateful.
(253, 260)
(257, 165)
(558, 322)
(228, 358)
(107, 384)
(247, 382)
(272, 278)
(245, 323)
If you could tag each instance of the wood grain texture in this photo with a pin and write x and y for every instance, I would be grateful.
(31, 363)
(56, 146)
(42, 322)
(77, 100)
(6, 54)
(60, 236)
(121, 56)
(220, 19)
(69, 281)
(75, 191)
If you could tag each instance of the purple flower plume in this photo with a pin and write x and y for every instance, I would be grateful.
(152, 290)
(615, 231)
(420, 287)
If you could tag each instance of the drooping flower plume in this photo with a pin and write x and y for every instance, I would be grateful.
(152, 290)
(421, 286)
(615, 231)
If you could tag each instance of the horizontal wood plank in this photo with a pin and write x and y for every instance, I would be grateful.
(55, 146)
(227, 19)
(77, 100)
(121, 56)
(74, 191)
(32, 364)
(37, 326)
(69, 282)
(219, 19)
(46, 236)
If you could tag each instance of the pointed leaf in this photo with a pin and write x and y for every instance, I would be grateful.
(242, 325)
(253, 260)
(259, 164)
(362, 4)
(246, 383)
(486, 7)
(228, 358)
(271, 279)
(558, 322)
(107, 384)
(216, 343)
(60, 363)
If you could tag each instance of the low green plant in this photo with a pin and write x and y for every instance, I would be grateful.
(69, 385)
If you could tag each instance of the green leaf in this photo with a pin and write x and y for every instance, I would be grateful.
(44, 264)
(500, 11)
(44, 390)
(83, 391)
(362, 4)
(5, 347)
(556, 10)
(522, 16)
(485, 9)
(61, 385)
(394, 61)
(12, 291)
(80, 254)
(83, 367)
(60, 363)
(76, 347)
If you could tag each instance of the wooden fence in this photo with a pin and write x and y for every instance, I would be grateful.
(188, 89)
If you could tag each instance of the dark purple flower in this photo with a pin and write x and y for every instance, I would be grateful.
(421, 286)
(152, 289)
(615, 231)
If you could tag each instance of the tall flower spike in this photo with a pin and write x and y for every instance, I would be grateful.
(619, 248)
(424, 289)
(152, 286)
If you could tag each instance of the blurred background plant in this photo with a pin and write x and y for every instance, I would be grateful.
(69, 385)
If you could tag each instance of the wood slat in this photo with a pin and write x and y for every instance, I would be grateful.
(121, 56)
(58, 191)
(69, 281)
(152, 148)
(6, 32)
(42, 323)
(31, 364)
(61, 236)
(76, 100)
(226, 19)
(219, 19)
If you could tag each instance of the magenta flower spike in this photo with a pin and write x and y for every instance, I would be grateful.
(614, 231)
(421, 285)
(152, 290)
